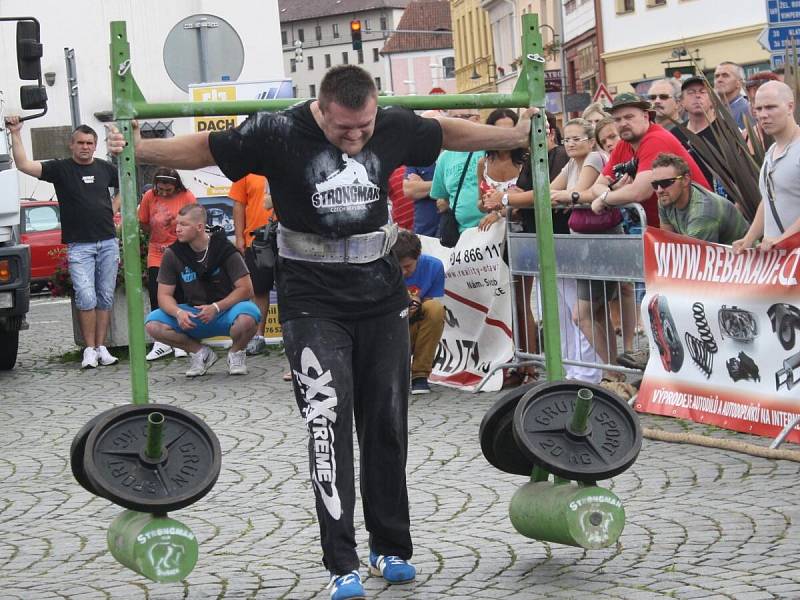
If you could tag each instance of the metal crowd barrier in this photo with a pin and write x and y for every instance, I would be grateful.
(614, 262)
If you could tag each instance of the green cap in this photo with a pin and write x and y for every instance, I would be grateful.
(630, 99)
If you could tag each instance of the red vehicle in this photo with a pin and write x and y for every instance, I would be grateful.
(40, 228)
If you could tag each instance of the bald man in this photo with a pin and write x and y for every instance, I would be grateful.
(216, 286)
(774, 111)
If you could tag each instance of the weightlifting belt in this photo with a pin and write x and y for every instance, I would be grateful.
(354, 249)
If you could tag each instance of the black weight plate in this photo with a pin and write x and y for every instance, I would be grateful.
(78, 447)
(609, 447)
(116, 465)
(497, 439)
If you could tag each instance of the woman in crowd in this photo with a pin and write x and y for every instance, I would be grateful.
(572, 188)
(157, 214)
(574, 344)
(594, 113)
(606, 134)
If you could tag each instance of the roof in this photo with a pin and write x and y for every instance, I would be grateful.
(424, 15)
(301, 10)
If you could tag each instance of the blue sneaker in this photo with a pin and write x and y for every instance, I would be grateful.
(346, 587)
(392, 568)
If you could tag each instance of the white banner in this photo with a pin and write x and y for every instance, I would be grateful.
(477, 333)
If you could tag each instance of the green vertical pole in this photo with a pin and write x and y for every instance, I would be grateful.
(124, 93)
(533, 74)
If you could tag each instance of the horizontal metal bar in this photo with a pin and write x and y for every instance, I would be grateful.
(585, 256)
(144, 110)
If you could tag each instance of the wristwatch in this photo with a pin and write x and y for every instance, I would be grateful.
(504, 200)
(576, 197)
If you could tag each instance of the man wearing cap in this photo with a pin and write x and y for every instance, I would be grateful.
(642, 140)
(696, 101)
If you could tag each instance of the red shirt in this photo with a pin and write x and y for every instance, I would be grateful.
(402, 206)
(656, 141)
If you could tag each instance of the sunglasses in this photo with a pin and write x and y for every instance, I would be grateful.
(659, 96)
(664, 183)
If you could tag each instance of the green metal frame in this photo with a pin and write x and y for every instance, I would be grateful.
(129, 104)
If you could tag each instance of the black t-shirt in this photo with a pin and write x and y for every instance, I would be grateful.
(707, 135)
(557, 160)
(316, 188)
(83, 198)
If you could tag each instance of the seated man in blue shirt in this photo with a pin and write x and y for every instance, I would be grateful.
(424, 277)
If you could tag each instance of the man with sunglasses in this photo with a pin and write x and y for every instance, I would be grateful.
(663, 94)
(689, 209)
(643, 140)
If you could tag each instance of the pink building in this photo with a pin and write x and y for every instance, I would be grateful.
(420, 52)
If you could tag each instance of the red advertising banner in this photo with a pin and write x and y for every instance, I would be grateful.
(724, 333)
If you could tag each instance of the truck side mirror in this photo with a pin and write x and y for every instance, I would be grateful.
(32, 97)
(29, 51)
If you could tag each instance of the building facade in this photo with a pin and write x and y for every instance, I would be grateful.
(321, 30)
(422, 62)
(648, 39)
(474, 50)
(84, 27)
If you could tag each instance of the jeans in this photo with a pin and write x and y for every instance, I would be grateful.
(93, 269)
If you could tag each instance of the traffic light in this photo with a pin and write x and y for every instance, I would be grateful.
(355, 33)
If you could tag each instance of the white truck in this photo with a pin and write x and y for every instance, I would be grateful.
(15, 260)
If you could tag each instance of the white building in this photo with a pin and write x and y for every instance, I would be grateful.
(639, 34)
(84, 26)
(322, 27)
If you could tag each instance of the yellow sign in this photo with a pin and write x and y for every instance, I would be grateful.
(214, 93)
(272, 328)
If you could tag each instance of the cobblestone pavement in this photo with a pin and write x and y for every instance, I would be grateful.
(702, 523)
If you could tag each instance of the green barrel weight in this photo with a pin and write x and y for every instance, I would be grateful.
(157, 547)
(567, 513)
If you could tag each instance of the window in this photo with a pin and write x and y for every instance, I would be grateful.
(345, 58)
(284, 37)
(292, 65)
(361, 57)
(378, 83)
(312, 91)
(301, 35)
(50, 142)
(294, 91)
(449, 67)
(327, 61)
(318, 32)
(310, 62)
(625, 6)
(376, 55)
(41, 218)
(335, 27)
(383, 23)
(569, 6)
(652, 3)
(366, 24)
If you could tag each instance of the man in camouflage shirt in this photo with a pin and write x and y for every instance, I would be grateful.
(689, 209)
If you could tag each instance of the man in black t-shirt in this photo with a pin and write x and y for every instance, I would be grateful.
(342, 301)
(216, 285)
(82, 185)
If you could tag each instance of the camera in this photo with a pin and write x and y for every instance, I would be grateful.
(626, 168)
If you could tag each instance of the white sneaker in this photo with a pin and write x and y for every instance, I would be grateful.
(256, 345)
(201, 361)
(89, 358)
(180, 353)
(236, 363)
(158, 350)
(104, 356)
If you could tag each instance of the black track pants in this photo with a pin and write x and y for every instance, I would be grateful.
(342, 370)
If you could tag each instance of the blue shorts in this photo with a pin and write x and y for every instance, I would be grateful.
(93, 269)
(219, 325)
